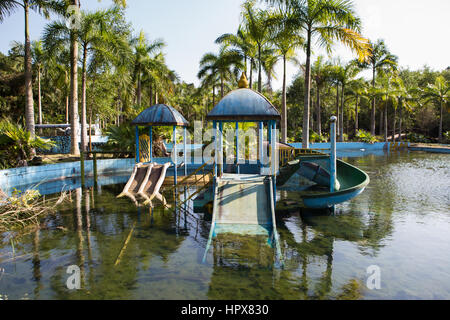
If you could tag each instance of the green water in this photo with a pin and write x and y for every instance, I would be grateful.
(400, 223)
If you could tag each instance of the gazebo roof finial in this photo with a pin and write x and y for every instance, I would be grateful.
(243, 83)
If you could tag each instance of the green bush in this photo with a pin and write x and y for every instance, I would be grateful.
(364, 136)
(446, 136)
(17, 144)
(417, 137)
(315, 137)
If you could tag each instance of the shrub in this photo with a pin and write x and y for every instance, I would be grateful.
(446, 136)
(364, 136)
(17, 144)
(417, 137)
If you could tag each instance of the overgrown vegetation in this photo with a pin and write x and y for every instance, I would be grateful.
(17, 144)
(25, 208)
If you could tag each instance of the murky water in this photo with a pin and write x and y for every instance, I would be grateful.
(400, 223)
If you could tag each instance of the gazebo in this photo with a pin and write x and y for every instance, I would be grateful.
(159, 115)
(245, 105)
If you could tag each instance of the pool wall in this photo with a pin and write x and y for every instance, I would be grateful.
(348, 145)
(12, 178)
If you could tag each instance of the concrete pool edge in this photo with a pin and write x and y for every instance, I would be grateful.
(10, 178)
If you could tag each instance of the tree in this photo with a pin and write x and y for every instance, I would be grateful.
(257, 27)
(143, 51)
(387, 92)
(358, 88)
(439, 94)
(326, 21)
(7, 7)
(321, 73)
(380, 60)
(345, 74)
(286, 41)
(226, 65)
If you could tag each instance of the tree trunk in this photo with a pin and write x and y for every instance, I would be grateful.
(214, 96)
(400, 124)
(356, 116)
(221, 86)
(151, 94)
(381, 122)
(139, 92)
(394, 126)
(39, 95)
(90, 132)
(372, 114)
(251, 73)
(74, 120)
(341, 115)
(29, 104)
(67, 109)
(305, 127)
(385, 121)
(440, 121)
(284, 107)
(83, 100)
(318, 112)
(259, 69)
(337, 109)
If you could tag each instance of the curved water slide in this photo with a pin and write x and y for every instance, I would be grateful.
(350, 181)
(145, 181)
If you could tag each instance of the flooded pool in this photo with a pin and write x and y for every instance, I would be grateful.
(400, 224)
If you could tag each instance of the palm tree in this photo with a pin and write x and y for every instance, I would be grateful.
(226, 65)
(327, 21)
(358, 88)
(143, 51)
(74, 120)
(241, 43)
(439, 94)
(320, 73)
(387, 91)
(257, 26)
(345, 74)
(38, 56)
(7, 7)
(381, 60)
(286, 40)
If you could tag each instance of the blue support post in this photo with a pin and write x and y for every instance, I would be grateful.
(333, 153)
(137, 144)
(184, 151)
(215, 148)
(221, 146)
(237, 147)
(274, 151)
(174, 149)
(150, 134)
(260, 127)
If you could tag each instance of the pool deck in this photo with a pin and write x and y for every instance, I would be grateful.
(427, 147)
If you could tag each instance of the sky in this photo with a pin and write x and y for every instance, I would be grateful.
(414, 30)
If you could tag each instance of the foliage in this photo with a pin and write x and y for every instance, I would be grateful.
(417, 137)
(120, 138)
(446, 137)
(315, 137)
(17, 143)
(24, 208)
(364, 136)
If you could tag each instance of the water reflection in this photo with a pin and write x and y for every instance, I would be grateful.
(394, 222)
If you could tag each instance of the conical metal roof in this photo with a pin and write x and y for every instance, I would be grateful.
(244, 104)
(160, 115)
